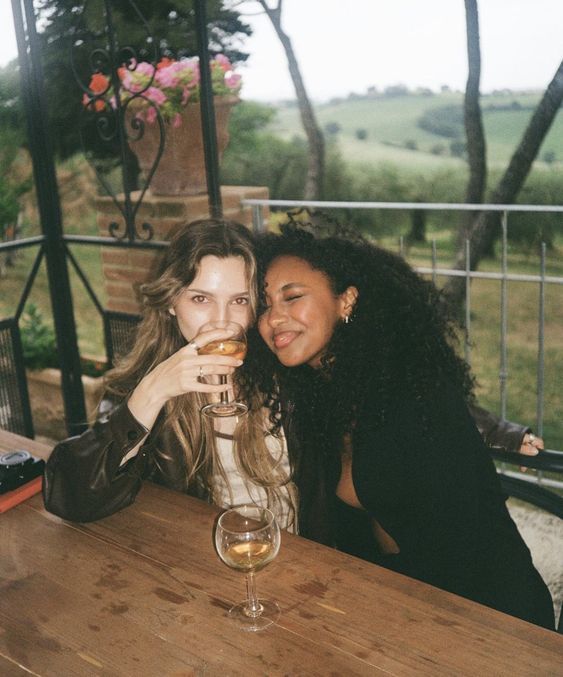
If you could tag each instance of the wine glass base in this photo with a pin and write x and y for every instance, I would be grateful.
(270, 614)
(220, 410)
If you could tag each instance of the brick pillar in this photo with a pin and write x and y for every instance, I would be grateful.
(124, 269)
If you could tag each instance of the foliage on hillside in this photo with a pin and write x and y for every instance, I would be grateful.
(393, 133)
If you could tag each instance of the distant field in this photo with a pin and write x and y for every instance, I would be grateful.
(392, 122)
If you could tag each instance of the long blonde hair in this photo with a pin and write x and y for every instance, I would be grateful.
(158, 337)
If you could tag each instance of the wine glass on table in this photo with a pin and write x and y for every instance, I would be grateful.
(247, 538)
(233, 345)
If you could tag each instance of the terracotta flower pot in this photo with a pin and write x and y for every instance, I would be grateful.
(181, 170)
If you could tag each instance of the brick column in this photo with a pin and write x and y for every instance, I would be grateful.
(124, 269)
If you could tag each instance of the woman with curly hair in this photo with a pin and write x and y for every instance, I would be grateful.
(373, 401)
(149, 424)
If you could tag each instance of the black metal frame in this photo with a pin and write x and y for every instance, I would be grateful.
(53, 243)
(528, 490)
(22, 422)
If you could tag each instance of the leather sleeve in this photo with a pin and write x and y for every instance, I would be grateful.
(83, 479)
(498, 432)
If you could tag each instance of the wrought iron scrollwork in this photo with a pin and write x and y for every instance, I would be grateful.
(110, 118)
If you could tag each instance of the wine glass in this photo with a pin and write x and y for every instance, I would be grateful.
(247, 538)
(233, 345)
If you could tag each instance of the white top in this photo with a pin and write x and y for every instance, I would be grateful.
(238, 490)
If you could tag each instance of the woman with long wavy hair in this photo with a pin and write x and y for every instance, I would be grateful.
(150, 425)
(360, 369)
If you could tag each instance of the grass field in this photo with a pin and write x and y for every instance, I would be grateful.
(391, 122)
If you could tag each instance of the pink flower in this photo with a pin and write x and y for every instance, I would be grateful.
(156, 95)
(185, 96)
(232, 80)
(223, 61)
(169, 86)
(145, 68)
(177, 121)
(168, 76)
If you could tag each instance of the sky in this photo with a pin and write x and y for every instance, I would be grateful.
(347, 46)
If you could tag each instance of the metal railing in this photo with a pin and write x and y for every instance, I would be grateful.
(435, 271)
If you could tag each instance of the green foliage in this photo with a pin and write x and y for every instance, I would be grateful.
(38, 340)
(548, 157)
(40, 345)
(12, 122)
(528, 231)
(332, 128)
(443, 121)
(458, 148)
(9, 207)
(10, 188)
(255, 157)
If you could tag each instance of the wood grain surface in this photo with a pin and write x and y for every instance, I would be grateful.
(143, 592)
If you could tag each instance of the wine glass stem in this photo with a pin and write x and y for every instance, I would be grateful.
(253, 606)
(225, 393)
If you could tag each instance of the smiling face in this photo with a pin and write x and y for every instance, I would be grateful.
(218, 292)
(302, 311)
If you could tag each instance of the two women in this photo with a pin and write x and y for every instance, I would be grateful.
(353, 368)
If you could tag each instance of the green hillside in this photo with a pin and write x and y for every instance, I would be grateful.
(393, 134)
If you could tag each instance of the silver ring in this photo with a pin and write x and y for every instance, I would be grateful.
(200, 373)
(193, 344)
(531, 438)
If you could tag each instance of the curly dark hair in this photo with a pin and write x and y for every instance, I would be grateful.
(401, 340)
(402, 334)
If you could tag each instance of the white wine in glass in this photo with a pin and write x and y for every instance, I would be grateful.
(247, 538)
(233, 345)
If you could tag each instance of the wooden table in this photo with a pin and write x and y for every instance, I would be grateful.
(144, 593)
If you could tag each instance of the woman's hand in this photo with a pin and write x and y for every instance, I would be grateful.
(183, 372)
(531, 444)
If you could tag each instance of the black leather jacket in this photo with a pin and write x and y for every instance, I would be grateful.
(84, 479)
(497, 432)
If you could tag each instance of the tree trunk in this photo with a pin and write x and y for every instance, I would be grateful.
(315, 139)
(418, 226)
(476, 147)
(485, 228)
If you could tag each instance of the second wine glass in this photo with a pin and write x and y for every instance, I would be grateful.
(233, 345)
(247, 538)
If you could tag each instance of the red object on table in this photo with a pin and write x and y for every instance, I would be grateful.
(12, 498)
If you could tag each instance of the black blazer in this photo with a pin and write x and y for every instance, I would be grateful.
(426, 476)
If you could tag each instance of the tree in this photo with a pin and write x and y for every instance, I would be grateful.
(316, 164)
(476, 147)
(485, 227)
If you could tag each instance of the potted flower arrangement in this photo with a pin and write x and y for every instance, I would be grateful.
(171, 89)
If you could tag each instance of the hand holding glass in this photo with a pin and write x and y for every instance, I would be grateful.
(233, 345)
(247, 538)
